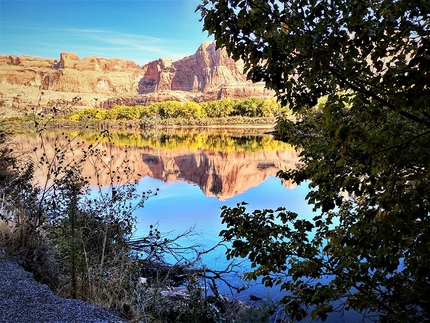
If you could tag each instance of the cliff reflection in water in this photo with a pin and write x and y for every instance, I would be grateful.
(217, 173)
(220, 163)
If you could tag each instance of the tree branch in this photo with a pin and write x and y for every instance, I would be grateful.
(373, 95)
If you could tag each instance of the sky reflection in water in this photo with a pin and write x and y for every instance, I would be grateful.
(179, 206)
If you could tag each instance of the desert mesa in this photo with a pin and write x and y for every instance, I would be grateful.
(209, 74)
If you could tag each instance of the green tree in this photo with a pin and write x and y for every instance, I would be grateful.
(368, 136)
(219, 108)
(248, 107)
(192, 110)
(170, 109)
(270, 108)
(127, 112)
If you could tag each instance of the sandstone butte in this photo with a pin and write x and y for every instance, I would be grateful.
(209, 74)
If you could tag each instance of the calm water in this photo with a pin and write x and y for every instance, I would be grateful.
(197, 172)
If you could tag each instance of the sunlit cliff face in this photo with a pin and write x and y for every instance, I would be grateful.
(207, 75)
(219, 173)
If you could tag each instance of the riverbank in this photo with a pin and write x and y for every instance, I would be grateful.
(49, 121)
(23, 299)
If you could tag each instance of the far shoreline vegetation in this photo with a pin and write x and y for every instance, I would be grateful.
(249, 112)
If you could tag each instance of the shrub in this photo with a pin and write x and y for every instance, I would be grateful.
(170, 109)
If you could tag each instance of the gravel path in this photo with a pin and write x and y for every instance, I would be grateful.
(22, 299)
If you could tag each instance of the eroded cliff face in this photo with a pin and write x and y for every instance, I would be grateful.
(209, 71)
(205, 71)
(28, 81)
(209, 74)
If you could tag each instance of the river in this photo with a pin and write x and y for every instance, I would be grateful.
(196, 172)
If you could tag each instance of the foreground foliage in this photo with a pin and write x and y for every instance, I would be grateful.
(356, 74)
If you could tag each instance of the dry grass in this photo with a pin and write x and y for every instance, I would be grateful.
(18, 241)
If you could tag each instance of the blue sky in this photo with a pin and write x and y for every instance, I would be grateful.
(139, 30)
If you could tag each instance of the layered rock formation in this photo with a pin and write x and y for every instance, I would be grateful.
(70, 73)
(209, 74)
(29, 81)
(209, 71)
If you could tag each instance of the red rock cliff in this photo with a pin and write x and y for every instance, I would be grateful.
(209, 74)
(209, 71)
